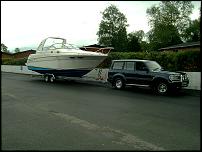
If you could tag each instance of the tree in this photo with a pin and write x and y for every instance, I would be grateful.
(145, 46)
(192, 33)
(163, 36)
(135, 40)
(168, 22)
(119, 41)
(140, 35)
(17, 50)
(4, 48)
(112, 29)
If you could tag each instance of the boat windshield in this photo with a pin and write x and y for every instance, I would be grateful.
(52, 44)
(70, 46)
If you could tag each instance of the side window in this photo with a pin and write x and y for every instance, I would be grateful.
(129, 66)
(40, 48)
(118, 65)
(140, 66)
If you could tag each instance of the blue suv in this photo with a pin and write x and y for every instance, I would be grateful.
(145, 73)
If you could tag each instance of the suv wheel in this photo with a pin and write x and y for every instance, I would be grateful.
(119, 83)
(162, 88)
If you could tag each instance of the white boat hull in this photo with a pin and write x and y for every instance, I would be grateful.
(64, 65)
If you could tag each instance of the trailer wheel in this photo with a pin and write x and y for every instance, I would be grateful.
(46, 78)
(52, 78)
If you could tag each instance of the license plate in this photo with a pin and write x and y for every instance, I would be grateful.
(184, 83)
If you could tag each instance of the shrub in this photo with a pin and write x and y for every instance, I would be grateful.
(14, 61)
(188, 61)
(5, 61)
(172, 61)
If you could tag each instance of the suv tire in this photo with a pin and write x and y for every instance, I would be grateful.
(119, 83)
(161, 88)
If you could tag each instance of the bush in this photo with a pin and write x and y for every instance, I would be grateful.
(14, 61)
(188, 61)
(6, 61)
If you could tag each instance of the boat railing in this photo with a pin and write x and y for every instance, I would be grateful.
(105, 50)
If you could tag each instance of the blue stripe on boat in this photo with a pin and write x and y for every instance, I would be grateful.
(68, 73)
(37, 68)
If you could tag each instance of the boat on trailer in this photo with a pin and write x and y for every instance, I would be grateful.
(54, 57)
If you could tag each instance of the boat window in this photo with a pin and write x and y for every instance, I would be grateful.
(40, 48)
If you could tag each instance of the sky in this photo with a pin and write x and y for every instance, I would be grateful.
(27, 23)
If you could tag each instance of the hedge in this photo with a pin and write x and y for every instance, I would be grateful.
(14, 61)
(173, 61)
(188, 61)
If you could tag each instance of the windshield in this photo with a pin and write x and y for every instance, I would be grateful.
(55, 43)
(70, 46)
(153, 66)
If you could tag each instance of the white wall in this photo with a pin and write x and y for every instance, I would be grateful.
(194, 80)
(101, 74)
(17, 69)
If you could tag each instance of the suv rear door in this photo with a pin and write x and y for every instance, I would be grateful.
(129, 71)
(116, 67)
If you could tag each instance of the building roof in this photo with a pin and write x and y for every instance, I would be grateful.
(94, 45)
(25, 51)
(6, 53)
(136, 60)
(183, 45)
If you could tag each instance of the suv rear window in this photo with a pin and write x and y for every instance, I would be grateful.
(117, 65)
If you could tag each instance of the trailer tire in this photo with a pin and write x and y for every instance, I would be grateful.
(46, 78)
(51, 78)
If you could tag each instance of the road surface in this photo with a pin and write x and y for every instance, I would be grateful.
(76, 115)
